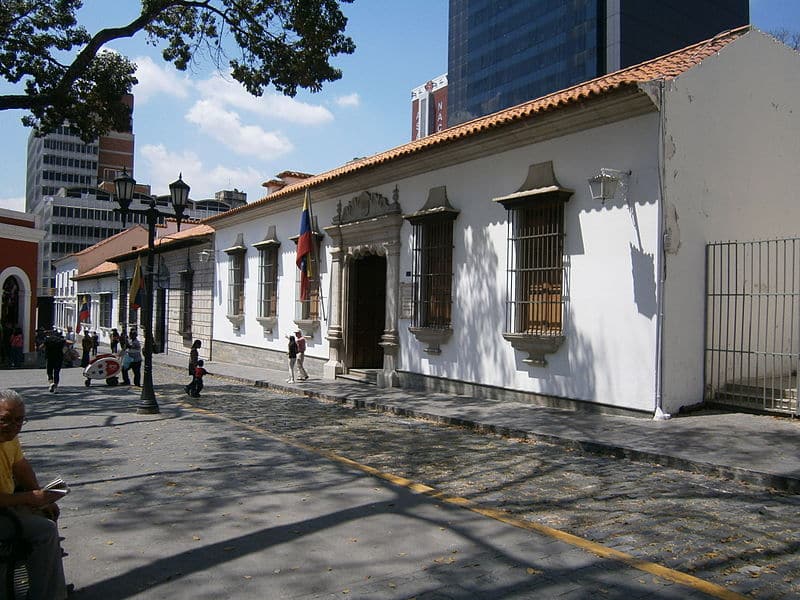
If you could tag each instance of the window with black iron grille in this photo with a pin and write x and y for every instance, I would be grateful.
(187, 289)
(105, 310)
(123, 301)
(432, 270)
(236, 283)
(268, 281)
(126, 313)
(535, 279)
(432, 273)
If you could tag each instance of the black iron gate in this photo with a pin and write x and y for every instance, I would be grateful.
(752, 347)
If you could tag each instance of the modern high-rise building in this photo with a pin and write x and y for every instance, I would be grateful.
(505, 52)
(69, 188)
(63, 176)
(61, 159)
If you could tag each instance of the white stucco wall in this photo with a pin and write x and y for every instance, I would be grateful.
(607, 331)
(609, 353)
(732, 146)
(251, 332)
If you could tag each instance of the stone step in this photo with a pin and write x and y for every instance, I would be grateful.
(361, 376)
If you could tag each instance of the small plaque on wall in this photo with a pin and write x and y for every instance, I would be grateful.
(406, 300)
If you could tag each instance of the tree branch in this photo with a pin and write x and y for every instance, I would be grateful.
(21, 101)
(100, 39)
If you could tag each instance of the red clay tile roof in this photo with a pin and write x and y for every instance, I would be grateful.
(108, 239)
(664, 67)
(296, 174)
(197, 231)
(104, 269)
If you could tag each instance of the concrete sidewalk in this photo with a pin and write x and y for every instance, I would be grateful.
(761, 450)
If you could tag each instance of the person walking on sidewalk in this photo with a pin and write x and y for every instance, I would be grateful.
(194, 356)
(36, 509)
(38, 342)
(292, 358)
(86, 347)
(301, 355)
(132, 360)
(54, 346)
(114, 341)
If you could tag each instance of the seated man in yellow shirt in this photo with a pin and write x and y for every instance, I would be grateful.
(35, 507)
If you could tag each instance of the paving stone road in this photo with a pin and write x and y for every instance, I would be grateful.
(742, 537)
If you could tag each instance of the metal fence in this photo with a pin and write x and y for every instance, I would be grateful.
(752, 339)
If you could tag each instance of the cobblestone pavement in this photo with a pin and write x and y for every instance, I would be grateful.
(742, 537)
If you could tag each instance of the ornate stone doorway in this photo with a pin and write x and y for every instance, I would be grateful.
(365, 279)
(366, 312)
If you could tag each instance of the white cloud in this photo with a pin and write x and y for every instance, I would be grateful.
(16, 203)
(205, 180)
(349, 101)
(226, 127)
(227, 92)
(155, 79)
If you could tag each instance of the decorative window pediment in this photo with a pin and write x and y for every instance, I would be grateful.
(540, 185)
(238, 246)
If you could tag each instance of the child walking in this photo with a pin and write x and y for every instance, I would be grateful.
(196, 385)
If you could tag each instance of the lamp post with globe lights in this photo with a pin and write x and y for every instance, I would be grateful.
(179, 194)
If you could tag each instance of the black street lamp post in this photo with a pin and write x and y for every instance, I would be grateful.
(179, 193)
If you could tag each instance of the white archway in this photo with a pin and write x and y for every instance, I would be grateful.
(25, 295)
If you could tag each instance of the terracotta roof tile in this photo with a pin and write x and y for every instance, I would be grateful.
(108, 239)
(103, 269)
(185, 234)
(664, 67)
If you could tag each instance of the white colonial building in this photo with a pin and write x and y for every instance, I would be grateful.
(477, 259)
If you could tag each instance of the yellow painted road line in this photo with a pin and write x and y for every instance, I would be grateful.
(711, 589)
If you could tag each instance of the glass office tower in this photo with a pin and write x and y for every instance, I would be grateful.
(504, 52)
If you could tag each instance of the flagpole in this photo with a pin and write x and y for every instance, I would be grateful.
(315, 256)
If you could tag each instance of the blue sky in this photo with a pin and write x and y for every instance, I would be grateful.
(204, 125)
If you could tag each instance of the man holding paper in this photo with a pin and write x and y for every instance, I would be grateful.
(35, 507)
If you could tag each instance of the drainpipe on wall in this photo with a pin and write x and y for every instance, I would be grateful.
(659, 414)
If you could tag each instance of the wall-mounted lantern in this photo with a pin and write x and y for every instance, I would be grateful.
(603, 186)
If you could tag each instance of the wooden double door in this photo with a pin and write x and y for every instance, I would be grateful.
(366, 312)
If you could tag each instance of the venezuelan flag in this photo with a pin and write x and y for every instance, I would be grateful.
(303, 260)
(83, 315)
(136, 294)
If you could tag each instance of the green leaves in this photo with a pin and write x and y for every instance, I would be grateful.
(65, 74)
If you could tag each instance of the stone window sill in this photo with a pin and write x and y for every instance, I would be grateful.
(268, 323)
(236, 320)
(307, 326)
(432, 337)
(537, 346)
